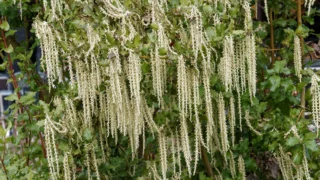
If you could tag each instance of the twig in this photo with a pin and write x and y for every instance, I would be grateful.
(206, 162)
(4, 168)
(271, 38)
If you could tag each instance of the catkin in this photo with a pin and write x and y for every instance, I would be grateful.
(315, 92)
(297, 57)
(163, 154)
(242, 167)
(309, 3)
(223, 126)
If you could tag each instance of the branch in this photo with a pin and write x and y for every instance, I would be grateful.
(206, 162)
(4, 168)
(271, 38)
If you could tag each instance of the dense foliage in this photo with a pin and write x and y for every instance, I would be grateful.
(145, 89)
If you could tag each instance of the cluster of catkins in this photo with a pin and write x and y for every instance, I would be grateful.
(85, 64)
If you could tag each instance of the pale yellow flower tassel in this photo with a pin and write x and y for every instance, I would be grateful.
(242, 167)
(297, 57)
(315, 92)
(223, 126)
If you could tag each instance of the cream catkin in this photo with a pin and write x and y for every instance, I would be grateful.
(49, 50)
(158, 67)
(285, 164)
(87, 151)
(250, 51)
(305, 165)
(247, 118)
(163, 154)
(223, 126)
(225, 66)
(52, 153)
(232, 119)
(177, 139)
(232, 166)
(308, 4)
(242, 167)
(297, 57)
(66, 167)
(184, 100)
(198, 131)
(173, 153)
(315, 92)
(196, 31)
(266, 10)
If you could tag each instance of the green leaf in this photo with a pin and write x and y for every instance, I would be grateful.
(275, 83)
(280, 22)
(313, 166)
(9, 126)
(8, 49)
(154, 26)
(238, 32)
(279, 66)
(250, 164)
(30, 175)
(103, 63)
(2, 132)
(312, 145)
(40, 123)
(87, 135)
(145, 67)
(10, 32)
(184, 2)
(3, 66)
(202, 176)
(297, 157)
(207, 9)
(28, 99)
(262, 107)
(5, 26)
(292, 141)
(163, 51)
(309, 136)
(12, 97)
(136, 41)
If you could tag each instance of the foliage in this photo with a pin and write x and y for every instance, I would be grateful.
(158, 89)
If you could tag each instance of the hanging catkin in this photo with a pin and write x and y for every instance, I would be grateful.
(242, 167)
(266, 10)
(285, 164)
(315, 92)
(247, 117)
(51, 149)
(232, 119)
(163, 154)
(208, 100)
(305, 165)
(223, 126)
(225, 66)
(308, 4)
(158, 69)
(134, 76)
(297, 57)
(66, 167)
(250, 51)
(49, 50)
(198, 131)
(232, 166)
(173, 153)
(196, 31)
